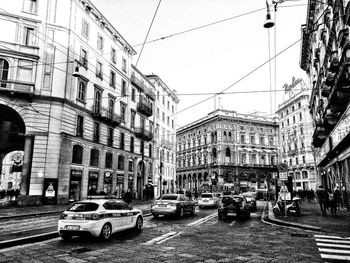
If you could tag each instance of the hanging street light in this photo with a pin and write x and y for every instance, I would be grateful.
(268, 22)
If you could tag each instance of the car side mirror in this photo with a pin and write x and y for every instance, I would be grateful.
(130, 207)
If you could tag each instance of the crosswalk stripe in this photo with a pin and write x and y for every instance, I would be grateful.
(333, 247)
(333, 241)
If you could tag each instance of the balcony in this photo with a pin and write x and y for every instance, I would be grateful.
(138, 83)
(292, 152)
(143, 134)
(106, 115)
(17, 87)
(145, 107)
(319, 136)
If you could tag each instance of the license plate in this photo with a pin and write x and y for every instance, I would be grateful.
(162, 205)
(205, 200)
(231, 214)
(72, 227)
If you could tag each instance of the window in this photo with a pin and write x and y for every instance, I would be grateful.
(163, 100)
(109, 160)
(113, 55)
(99, 72)
(110, 108)
(304, 174)
(163, 117)
(85, 29)
(77, 156)
(242, 138)
(122, 111)
(300, 116)
(83, 58)
(132, 121)
(299, 104)
(112, 79)
(243, 158)
(282, 124)
(110, 137)
(301, 130)
(303, 159)
(124, 65)
(94, 157)
(150, 150)
(120, 162)
(4, 71)
(122, 141)
(132, 144)
(96, 135)
(252, 139)
(172, 124)
(131, 165)
(157, 95)
(80, 126)
(123, 90)
(28, 36)
(97, 101)
(287, 121)
(100, 42)
(172, 108)
(168, 105)
(292, 108)
(262, 141)
(81, 90)
(157, 114)
(168, 121)
(30, 6)
(133, 94)
(293, 119)
(296, 160)
(290, 162)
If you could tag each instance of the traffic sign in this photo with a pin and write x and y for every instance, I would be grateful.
(283, 176)
(282, 167)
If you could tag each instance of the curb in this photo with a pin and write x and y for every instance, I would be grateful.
(271, 219)
(26, 240)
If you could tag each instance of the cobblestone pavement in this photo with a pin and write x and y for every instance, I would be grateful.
(199, 238)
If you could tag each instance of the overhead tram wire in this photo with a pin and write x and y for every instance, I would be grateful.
(149, 29)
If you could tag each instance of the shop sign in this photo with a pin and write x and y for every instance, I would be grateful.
(120, 179)
(342, 129)
(76, 173)
(108, 177)
(93, 174)
(295, 82)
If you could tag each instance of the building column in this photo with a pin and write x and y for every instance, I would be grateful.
(27, 164)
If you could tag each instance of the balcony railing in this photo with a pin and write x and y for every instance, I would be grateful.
(142, 86)
(106, 115)
(145, 107)
(17, 86)
(143, 134)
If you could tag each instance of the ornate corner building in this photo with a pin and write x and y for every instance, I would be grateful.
(76, 115)
(227, 150)
(295, 134)
(325, 56)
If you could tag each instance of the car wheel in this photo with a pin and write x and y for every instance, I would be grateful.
(248, 214)
(220, 216)
(106, 232)
(181, 213)
(193, 211)
(65, 236)
(155, 216)
(139, 224)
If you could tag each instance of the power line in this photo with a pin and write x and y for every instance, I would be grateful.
(149, 29)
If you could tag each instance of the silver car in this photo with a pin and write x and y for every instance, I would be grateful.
(173, 204)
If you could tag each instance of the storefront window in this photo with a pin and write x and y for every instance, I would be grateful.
(77, 154)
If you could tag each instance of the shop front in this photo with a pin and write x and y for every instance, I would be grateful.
(75, 185)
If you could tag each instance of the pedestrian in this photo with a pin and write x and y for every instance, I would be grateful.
(322, 196)
(127, 197)
(332, 203)
(337, 196)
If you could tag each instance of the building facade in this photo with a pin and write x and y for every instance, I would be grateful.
(295, 134)
(165, 136)
(325, 56)
(227, 150)
(75, 120)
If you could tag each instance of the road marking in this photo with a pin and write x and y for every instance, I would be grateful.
(166, 239)
(157, 239)
(202, 220)
(333, 247)
(233, 222)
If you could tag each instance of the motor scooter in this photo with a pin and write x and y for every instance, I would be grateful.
(292, 206)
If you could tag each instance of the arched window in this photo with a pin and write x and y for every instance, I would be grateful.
(225, 136)
(77, 156)
(228, 152)
(120, 162)
(109, 160)
(4, 71)
(214, 153)
(229, 136)
(94, 156)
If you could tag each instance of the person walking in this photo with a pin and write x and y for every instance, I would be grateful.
(332, 203)
(127, 197)
(337, 196)
(322, 196)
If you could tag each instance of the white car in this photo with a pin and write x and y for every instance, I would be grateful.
(209, 199)
(99, 218)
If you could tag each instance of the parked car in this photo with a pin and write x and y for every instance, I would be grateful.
(99, 218)
(209, 200)
(173, 204)
(251, 200)
(233, 205)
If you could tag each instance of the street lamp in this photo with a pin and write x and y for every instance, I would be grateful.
(268, 22)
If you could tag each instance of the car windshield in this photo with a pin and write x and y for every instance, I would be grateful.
(248, 195)
(168, 197)
(83, 207)
(207, 195)
(229, 199)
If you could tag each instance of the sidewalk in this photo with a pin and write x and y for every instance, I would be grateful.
(311, 219)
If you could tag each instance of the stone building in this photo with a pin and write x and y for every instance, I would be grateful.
(165, 136)
(227, 150)
(74, 118)
(325, 56)
(295, 135)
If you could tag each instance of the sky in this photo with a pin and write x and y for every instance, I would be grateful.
(231, 55)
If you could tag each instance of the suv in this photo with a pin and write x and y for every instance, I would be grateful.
(208, 199)
(233, 205)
